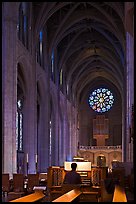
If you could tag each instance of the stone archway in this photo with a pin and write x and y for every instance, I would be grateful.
(101, 160)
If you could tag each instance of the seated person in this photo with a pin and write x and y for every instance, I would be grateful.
(72, 177)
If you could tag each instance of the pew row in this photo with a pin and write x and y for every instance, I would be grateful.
(89, 197)
(74, 194)
(38, 195)
(119, 194)
(69, 196)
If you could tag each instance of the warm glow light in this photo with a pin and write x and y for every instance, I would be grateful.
(119, 194)
(36, 158)
(27, 157)
(81, 166)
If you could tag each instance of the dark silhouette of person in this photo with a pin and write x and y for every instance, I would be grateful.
(72, 177)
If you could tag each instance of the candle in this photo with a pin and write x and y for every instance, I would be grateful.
(36, 158)
(27, 157)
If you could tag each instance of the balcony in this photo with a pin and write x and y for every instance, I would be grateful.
(117, 147)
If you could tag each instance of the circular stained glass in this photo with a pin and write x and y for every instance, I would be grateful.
(101, 100)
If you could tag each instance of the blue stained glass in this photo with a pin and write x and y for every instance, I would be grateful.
(94, 93)
(91, 97)
(25, 23)
(110, 102)
(98, 90)
(52, 61)
(103, 109)
(103, 90)
(108, 92)
(101, 100)
(52, 55)
(41, 36)
(110, 97)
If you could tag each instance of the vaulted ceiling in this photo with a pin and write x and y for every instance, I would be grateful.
(90, 41)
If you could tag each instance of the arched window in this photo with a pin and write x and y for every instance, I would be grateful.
(19, 126)
(61, 78)
(23, 24)
(67, 89)
(52, 67)
(50, 134)
(101, 100)
(39, 51)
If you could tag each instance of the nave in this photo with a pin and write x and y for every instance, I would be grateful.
(67, 94)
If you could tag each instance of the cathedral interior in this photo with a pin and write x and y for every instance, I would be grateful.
(68, 91)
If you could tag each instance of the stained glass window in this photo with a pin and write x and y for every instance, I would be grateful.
(61, 77)
(23, 24)
(52, 66)
(19, 126)
(39, 52)
(101, 100)
(52, 61)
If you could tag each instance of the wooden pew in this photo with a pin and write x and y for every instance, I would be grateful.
(89, 196)
(38, 195)
(105, 196)
(119, 194)
(69, 196)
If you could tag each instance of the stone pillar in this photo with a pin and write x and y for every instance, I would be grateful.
(69, 158)
(56, 130)
(43, 138)
(64, 141)
(74, 131)
(65, 137)
(61, 129)
(130, 91)
(29, 134)
(9, 86)
(127, 149)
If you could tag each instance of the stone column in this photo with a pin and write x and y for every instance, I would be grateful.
(130, 90)
(127, 149)
(74, 133)
(43, 138)
(9, 86)
(68, 146)
(30, 128)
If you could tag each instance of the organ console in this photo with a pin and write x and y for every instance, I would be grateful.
(89, 175)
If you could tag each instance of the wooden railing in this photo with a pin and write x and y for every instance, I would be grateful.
(119, 194)
(118, 147)
(38, 195)
(69, 196)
